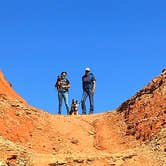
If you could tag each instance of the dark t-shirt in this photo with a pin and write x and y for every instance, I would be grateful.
(62, 84)
(87, 81)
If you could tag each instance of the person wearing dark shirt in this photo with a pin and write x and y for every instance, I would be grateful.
(88, 86)
(63, 85)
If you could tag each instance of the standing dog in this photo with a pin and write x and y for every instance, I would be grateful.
(74, 108)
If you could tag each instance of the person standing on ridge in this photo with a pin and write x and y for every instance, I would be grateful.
(63, 85)
(88, 86)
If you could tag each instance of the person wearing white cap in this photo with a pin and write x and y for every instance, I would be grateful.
(88, 85)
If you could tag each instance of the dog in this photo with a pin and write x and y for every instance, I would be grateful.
(74, 108)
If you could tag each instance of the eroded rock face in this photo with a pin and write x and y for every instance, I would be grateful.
(12, 154)
(145, 112)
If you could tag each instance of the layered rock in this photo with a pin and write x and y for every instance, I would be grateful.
(145, 112)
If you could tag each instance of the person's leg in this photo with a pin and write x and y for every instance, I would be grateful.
(91, 99)
(83, 100)
(66, 96)
(60, 102)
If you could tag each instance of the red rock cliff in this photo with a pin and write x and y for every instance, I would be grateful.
(145, 112)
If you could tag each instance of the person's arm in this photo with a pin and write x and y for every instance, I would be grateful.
(94, 86)
(82, 83)
(57, 84)
(68, 84)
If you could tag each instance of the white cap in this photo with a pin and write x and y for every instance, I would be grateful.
(87, 69)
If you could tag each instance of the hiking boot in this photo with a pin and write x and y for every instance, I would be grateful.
(84, 113)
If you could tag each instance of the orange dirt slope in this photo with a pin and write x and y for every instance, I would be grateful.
(6, 88)
(132, 135)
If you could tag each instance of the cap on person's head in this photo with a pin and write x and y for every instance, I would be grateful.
(64, 73)
(87, 69)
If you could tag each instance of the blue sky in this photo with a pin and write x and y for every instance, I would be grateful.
(123, 42)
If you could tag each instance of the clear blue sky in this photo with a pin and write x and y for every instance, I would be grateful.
(123, 42)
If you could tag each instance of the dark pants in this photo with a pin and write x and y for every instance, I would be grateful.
(91, 100)
(63, 95)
